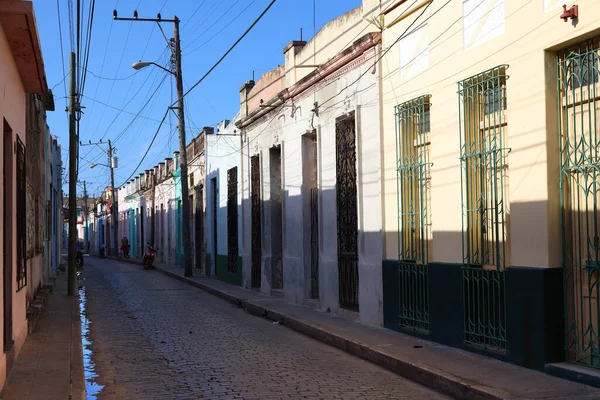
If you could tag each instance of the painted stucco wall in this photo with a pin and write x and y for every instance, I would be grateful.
(525, 36)
(197, 169)
(165, 230)
(12, 109)
(222, 154)
(336, 96)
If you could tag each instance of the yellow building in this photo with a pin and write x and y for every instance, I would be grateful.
(491, 156)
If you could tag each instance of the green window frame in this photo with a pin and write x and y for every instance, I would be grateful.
(483, 131)
(414, 223)
(578, 69)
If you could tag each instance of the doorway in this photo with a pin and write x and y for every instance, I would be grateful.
(578, 79)
(215, 200)
(7, 200)
(199, 226)
(256, 221)
(347, 211)
(276, 219)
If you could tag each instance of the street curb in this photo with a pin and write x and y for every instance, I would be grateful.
(433, 379)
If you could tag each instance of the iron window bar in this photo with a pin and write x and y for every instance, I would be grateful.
(413, 182)
(483, 155)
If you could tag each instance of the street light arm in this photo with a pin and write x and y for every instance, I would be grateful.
(98, 164)
(140, 64)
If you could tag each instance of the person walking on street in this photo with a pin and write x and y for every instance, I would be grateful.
(125, 246)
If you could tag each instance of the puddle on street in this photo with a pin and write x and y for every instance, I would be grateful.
(92, 387)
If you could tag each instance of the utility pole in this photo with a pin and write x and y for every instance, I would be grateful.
(85, 211)
(72, 273)
(115, 206)
(176, 49)
(152, 213)
(187, 247)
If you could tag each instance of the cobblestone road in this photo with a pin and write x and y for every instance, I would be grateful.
(153, 337)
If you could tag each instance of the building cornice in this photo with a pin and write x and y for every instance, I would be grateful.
(345, 57)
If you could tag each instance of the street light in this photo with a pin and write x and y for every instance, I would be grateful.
(98, 164)
(143, 64)
(176, 51)
(114, 208)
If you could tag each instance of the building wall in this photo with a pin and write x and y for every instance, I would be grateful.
(525, 44)
(13, 112)
(165, 231)
(197, 170)
(336, 95)
(222, 154)
(456, 41)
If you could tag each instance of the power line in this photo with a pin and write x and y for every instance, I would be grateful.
(117, 72)
(120, 135)
(216, 21)
(109, 79)
(194, 13)
(119, 109)
(228, 51)
(103, 59)
(62, 51)
(89, 44)
(222, 29)
(148, 149)
(389, 48)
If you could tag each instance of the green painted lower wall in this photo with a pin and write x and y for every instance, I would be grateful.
(235, 278)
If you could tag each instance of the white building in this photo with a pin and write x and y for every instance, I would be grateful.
(223, 224)
(311, 173)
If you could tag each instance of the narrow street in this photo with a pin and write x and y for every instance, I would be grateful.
(151, 336)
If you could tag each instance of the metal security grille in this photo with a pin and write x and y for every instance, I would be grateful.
(21, 216)
(215, 226)
(256, 221)
(579, 124)
(347, 212)
(199, 226)
(232, 220)
(484, 169)
(413, 181)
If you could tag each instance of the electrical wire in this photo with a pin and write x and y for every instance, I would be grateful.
(383, 53)
(103, 59)
(228, 51)
(62, 51)
(193, 14)
(89, 44)
(216, 21)
(148, 149)
(122, 110)
(221, 30)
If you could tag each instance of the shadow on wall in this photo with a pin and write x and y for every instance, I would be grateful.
(298, 250)
(530, 296)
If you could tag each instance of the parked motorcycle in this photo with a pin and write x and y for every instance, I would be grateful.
(148, 258)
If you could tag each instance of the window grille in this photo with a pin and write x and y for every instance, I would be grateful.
(483, 155)
(413, 182)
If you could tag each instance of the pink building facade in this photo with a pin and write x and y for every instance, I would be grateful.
(22, 80)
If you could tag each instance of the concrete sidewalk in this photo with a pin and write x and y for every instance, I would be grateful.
(458, 373)
(50, 365)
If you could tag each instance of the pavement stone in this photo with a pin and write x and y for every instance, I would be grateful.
(50, 365)
(151, 337)
(456, 372)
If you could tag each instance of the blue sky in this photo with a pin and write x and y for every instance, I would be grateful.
(209, 27)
